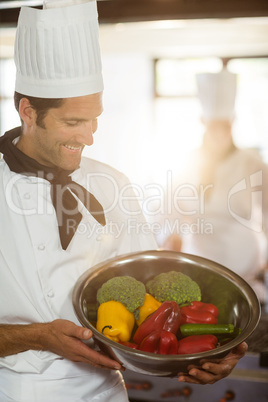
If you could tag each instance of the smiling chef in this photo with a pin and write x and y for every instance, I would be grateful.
(54, 206)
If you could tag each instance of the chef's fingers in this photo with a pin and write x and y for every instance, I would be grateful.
(197, 376)
(98, 359)
(232, 358)
(91, 356)
(238, 352)
(66, 339)
(212, 371)
(225, 366)
(71, 329)
(201, 376)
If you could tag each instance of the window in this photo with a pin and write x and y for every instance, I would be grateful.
(177, 110)
(252, 103)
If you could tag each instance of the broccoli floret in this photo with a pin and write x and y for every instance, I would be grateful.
(124, 289)
(174, 286)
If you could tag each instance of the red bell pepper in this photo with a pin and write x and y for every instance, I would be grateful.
(166, 317)
(198, 305)
(199, 313)
(196, 343)
(161, 342)
(129, 344)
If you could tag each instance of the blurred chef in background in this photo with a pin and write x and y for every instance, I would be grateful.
(221, 203)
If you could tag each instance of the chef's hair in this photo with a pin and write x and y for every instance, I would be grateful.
(40, 105)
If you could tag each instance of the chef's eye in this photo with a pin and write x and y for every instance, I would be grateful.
(72, 123)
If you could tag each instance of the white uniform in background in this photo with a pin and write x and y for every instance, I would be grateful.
(226, 224)
(230, 230)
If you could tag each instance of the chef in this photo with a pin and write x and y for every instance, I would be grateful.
(227, 217)
(61, 214)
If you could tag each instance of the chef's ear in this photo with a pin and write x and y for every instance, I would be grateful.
(27, 112)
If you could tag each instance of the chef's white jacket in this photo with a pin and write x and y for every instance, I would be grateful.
(231, 225)
(38, 276)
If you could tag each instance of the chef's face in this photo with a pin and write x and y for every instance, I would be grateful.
(64, 133)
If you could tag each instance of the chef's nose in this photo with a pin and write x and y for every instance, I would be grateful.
(87, 131)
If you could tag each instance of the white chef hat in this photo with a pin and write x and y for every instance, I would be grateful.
(217, 92)
(57, 53)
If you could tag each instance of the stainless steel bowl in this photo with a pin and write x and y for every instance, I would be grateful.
(235, 299)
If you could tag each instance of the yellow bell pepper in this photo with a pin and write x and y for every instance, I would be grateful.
(150, 305)
(115, 321)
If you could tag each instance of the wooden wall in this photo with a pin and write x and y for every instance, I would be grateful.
(112, 11)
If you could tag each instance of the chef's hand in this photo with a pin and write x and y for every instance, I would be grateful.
(212, 371)
(66, 339)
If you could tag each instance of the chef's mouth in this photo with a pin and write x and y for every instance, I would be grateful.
(73, 148)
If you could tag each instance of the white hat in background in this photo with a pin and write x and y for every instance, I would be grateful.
(217, 92)
(57, 53)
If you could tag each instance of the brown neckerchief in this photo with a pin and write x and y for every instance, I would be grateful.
(62, 188)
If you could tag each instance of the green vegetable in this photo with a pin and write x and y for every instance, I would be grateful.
(124, 289)
(204, 329)
(174, 286)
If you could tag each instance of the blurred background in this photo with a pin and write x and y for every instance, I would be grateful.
(151, 53)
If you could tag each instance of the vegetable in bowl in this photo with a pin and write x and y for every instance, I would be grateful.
(174, 286)
(174, 322)
(124, 289)
(235, 300)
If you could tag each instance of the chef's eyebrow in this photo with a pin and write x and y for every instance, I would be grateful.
(78, 119)
(73, 119)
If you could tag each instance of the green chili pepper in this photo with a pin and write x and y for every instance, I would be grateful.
(204, 329)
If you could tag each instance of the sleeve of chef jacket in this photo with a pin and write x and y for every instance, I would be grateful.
(139, 233)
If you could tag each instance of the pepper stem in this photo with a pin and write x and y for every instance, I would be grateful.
(186, 304)
(106, 326)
